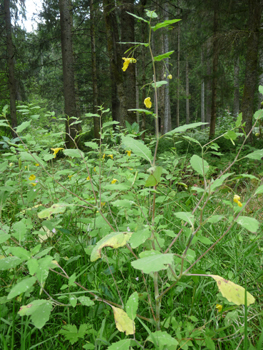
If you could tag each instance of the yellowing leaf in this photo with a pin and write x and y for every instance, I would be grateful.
(113, 240)
(123, 322)
(233, 292)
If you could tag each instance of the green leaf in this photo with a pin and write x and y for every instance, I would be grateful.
(43, 269)
(4, 237)
(91, 115)
(257, 155)
(73, 300)
(133, 43)
(191, 140)
(137, 147)
(32, 265)
(123, 322)
(123, 203)
(91, 144)
(159, 84)
(184, 128)
(139, 237)
(258, 114)
(153, 261)
(19, 228)
(260, 89)
(110, 123)
(233, 292)
(239, 120)
(199, 165)
(215, 218)
(162, 338)
(58, 208)
(165, 24)
(140, 110)
(219, 182)
(20, 252)
(21, 287)
(204, 240)
(248, 223)
(151, 14)
(163, 56)
(39, 310)
(137, 17)
(209, 343)
(25, 156)
(132, 305)
(72, 334)
(113, 240)
(186, 216)
(230, 135)
(120, 345)
(155, 177)
(9, 263)
(86, 301)
(73, 153)
(23, 126)
(259, 190)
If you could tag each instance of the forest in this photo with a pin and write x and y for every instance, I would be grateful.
(131, 191)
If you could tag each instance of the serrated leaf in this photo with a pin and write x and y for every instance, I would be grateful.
(248, 223)
(32, 158)
(91, 144)
(72, 334)
(186, 216)
(32, 265)
(185, 127)
(43, 269)
(21, 287)
(209, 343)
(162, 338)
(258, 114)
(233, 292)
(137, 147)
(23, 126)
(230, 135)
(132, 305)
(215, 218)
(165, 24)
(73, 300)
(219, 182)
(9, 263)
(139, 237)
(153, 262)
(199, 165)
(20, 252)
(86, 301)
(4, 237)
(113, 240)
(39, 310)
(163, 56)
(123, 322)
(73, 153)
(120, 345)
(123, 203)
(155, 177)
(239, 120)
(257, 155)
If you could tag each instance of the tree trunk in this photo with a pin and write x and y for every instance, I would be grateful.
(144, 28)
(167, 123)
(178, 73)
(187, 91)
(208, 83)
(117, 90)
(129, 76)
(68, 72)
(96, 120)
(215, 68)
(255, 9)
(11, 66)
(236, 88)
(202, 91)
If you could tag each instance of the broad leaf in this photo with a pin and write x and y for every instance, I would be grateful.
(72, 334)
(165, 24)
(137, 17)
(140, 110)
(21, 287)
(123, 322)
(257, 155)
(91, 144)
(120, 345)
(155, 177)
(163, 56)
(4, 237)
(159, 84)
(132, 305)
(58, 208)
(259, 190)
(248, 223)
(186, 216)
(32, 158)
(39, 310)
(20, 252)
(258, 114)
(184, 128)
(219, 182)
(73, 153)
(233, 292)
(162, 338)
(23, 126)
(139, 237)
(152, 261)
(199, 165)
(9, 263)
(113, 240)
(215, 218)
(86, 301)
(137, 147)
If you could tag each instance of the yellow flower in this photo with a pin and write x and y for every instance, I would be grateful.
(127, 61)
(236, 199)
(32, 177)
(56, 150)
(170, 76)
(219, 307)
(25, 167)
(70, 176)
(88, 178)
(94, 169)
(33, 184)
(147, 102)
(111, 156)
(102, 204)
(103, 156)
(36, 164)
(128, 153)
(114, 181)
